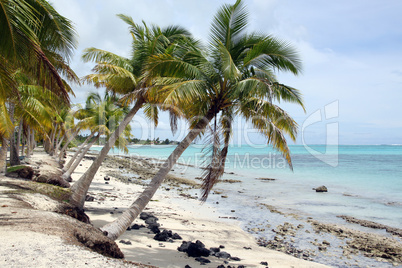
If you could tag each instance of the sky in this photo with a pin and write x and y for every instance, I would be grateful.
(351, 53)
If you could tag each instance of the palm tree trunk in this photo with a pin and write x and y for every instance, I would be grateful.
(80, 188)
(58, 147)
(56, 144)
(14, 158)
(28, 140)
(52, 137)
(70, 171)
(119, 226)
(18, 142)
(69, 140)
(67, 167)
(3, 156)
(33, 142)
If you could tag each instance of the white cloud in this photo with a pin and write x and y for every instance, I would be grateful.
(350, 49)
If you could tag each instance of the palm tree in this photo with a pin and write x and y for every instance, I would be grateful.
(38, 41)
(128, 77)
(236, 78)
(102, 116)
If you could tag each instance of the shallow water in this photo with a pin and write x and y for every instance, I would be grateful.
(366, 181)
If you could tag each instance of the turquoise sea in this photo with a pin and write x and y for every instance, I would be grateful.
(364, 181)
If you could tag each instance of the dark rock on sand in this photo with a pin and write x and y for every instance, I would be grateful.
(163, 236)
(235, 259)
(215, 250)
(154, 228)
(264, 263)
(321, 189)
(151, 220)
(222, 255)
(137, 226)
(176, 236)
(89, 198)
(145, 215)
(197, 249)
(202, 260)
(184, 246)
(106, 178)
(125, 242)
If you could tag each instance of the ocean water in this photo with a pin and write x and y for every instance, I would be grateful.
(363, 181)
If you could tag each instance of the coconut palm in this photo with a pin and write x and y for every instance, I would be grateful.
(235, 78)
(33, 36)
(38, 41)
(128, 77)
(102, 116)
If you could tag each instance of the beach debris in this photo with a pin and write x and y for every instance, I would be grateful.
(266, 179)
(321, 189)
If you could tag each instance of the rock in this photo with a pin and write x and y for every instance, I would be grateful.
(106, 182)
(89, 198)
(184, 246)
(202, 260)
(235, 259)
(151, 220)
(187, 266)
(222, 255)
(163, 236)
(221, 246)
(154, 228)
(137, 226)
(321, 189)
(264, 263)
(106, 178)
(176, 236)
(125, 242)
(197, 249)
(215, 250)
(145, 215)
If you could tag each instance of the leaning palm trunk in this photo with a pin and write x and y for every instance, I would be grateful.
(70, 171)
(120, 225)
(56, 150)
(69, 140)
(80, 188)
(52, 139)
(67, 167)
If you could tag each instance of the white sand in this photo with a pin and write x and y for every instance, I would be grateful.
(189, 218)
(23, 247)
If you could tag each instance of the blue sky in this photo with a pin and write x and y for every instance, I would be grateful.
(351, 52)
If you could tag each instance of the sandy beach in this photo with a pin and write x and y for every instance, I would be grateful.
(29, 241)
